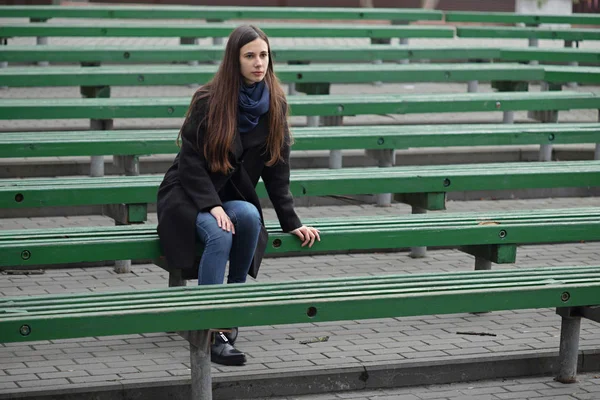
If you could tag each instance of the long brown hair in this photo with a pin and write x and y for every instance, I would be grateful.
(221, 94)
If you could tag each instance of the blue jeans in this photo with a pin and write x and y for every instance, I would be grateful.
(220, 245)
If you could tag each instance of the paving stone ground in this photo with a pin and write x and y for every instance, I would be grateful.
(89, 362)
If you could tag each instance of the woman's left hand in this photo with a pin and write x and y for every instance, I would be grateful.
(307, 234)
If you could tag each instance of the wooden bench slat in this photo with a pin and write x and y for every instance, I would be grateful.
(137, 54)
(162, 141)
(223, 30)
(528, 19)
(574, 34)
(371, 301)
(335, 105)
(141, 242)
(550, 55)
(318, 73)
(219, 12)
(141, 54)
(357, 286)
(42, 192)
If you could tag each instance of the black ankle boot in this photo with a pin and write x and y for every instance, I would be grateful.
(222, 352)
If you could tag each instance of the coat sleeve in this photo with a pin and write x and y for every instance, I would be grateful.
(193, 168)
(277, 183)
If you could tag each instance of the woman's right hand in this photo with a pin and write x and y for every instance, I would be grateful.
(222, 219)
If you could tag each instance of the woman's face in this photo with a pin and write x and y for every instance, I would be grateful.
(254, 60)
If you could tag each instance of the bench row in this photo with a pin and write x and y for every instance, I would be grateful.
(293, 30)
(192, 311)
(323, 74)
(223, 13)
(317, 105)
(167, 54)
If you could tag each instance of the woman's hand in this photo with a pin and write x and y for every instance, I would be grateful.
(222, 219)
(307, 234)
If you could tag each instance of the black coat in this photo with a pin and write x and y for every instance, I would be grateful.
(189, 188)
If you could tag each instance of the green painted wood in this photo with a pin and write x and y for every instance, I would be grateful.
(548, 55)
(146, 54)
(223, 30)
(167, 54)
(317, 73)
(69, 191)
(194, 308)
(426, 201)
(162, 141)
(68, 245)
(324, 105)
(219, 12)
(496, 253)
(528, 19)
(574, 34)
(586, 75)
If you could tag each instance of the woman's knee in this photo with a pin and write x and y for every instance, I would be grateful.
(245, 213)
(211, 235)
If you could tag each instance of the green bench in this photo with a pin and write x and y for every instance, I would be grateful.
(514, 18)
(165, 54)
(193, 311)
(324, 105)
(333, 107)
(168, 54)
(162, 141)
(491, 236)
(223, 30)
(569, 35)
(219, 13)
(125, 198)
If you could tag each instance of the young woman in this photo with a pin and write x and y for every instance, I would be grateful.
(234, 133)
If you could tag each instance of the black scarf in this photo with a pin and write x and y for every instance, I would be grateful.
(253, 101)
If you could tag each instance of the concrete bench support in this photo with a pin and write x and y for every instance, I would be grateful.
(420, 251)
(597, 152)
(570, 44)
(97, 162)
(385, 158)
(3, 64)
(569, 337)
(200, 363)
(217, 41)
(335, 156)
(40, 40)
(123, 213)
(472, 86)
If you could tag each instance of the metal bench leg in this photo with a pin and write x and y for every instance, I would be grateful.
(569, 349)
(420, 251)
